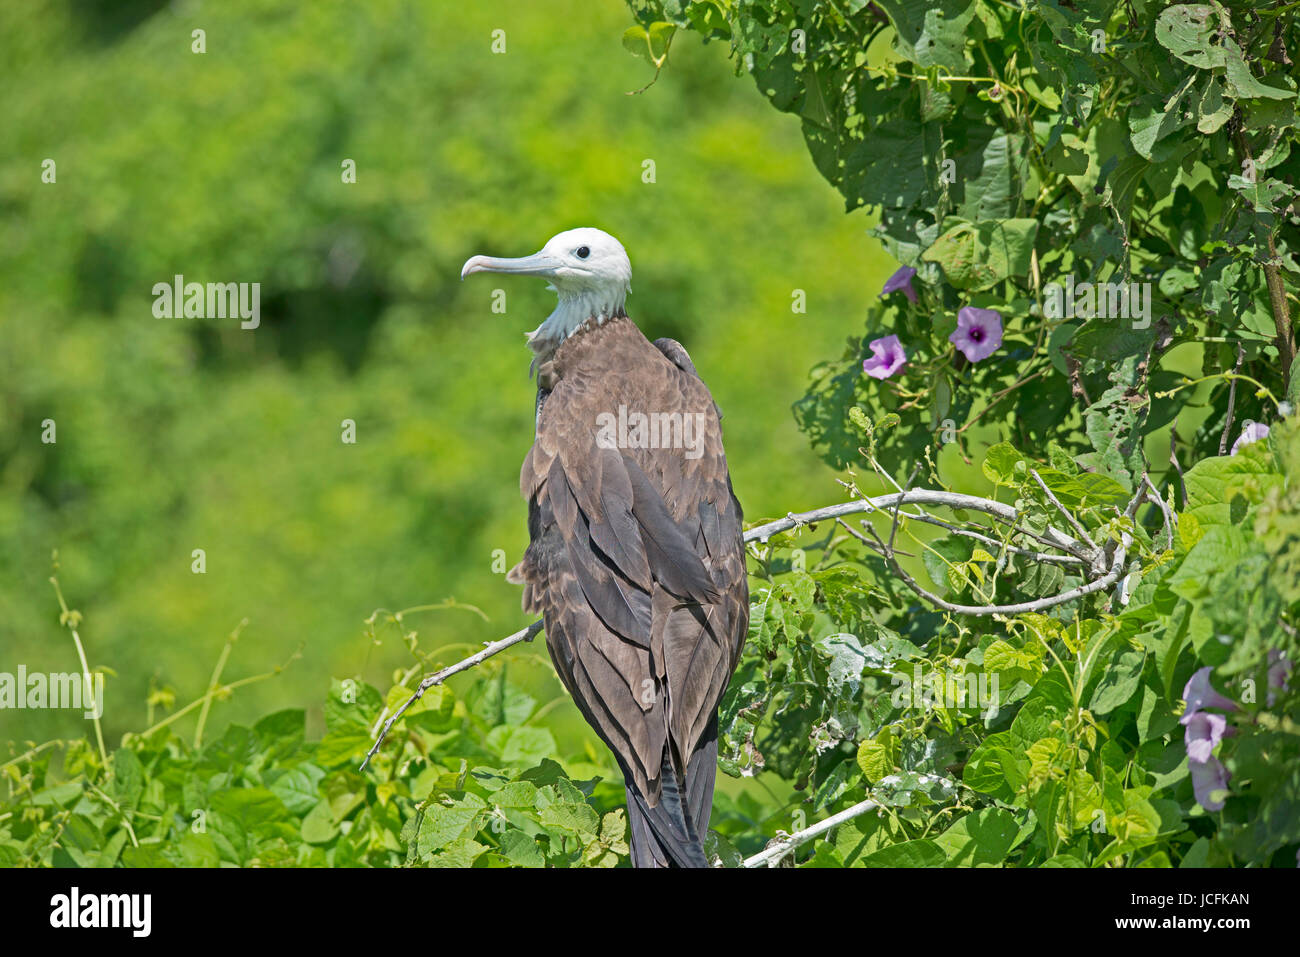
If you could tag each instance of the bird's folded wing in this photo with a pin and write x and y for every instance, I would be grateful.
(636, 563)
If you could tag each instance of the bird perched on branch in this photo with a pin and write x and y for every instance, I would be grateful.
(635, 560)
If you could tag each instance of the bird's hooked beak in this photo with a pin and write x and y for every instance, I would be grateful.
(538, 264)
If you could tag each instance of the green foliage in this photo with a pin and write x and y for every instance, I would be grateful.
(1009, 150)
(1019, 157)
(1044, 738)
(464, 782)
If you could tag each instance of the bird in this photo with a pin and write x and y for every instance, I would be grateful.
(635, 560)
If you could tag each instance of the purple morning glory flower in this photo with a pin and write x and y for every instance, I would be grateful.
(978, 334)
(900, 280)
(1200, 694)
(1204, 731)
(1278, 670)
(1253, 432)
(887, 358)
(1209, 777)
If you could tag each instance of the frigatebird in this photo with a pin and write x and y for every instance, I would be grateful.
(635, 558)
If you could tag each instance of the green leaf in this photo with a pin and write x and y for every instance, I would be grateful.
(351, 707)
(975, 256)
(1003, 465)
(296, 787)
(1063, 860)
(528, 746)
(1212, 110)
(1197, 855)
(318, 827)
(650, 43)
(1214, 483)
(1187, 30)
(573, 818)
(848, 658)
(286, 725)
(878, 757)
(885, 649)
(1218, 550)
(1085, 490)
(198, 850)
(345, 791)
(445, 824)
(1119, 683)
(516, 794)
(1121, 185)
(128, 779)
(253, 810)
(931, 34)
(1243, 84)
(997, 768)
(521, 849)
(242, 818)
(1010, 663)
(994, 179)
(459, 854)
(335, 749)
(983, 837)
(1149, 125)
(1114, 427)
(923, 853)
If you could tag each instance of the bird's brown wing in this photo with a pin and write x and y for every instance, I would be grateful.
(636, 560)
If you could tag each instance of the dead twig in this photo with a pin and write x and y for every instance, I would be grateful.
(492, 648)
(1232, 401)
(777, 849)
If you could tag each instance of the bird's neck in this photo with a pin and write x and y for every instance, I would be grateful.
(584, 308)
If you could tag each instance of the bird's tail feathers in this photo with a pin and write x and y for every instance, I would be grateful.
(664, 835)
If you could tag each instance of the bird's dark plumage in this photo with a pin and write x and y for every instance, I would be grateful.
(637, 566)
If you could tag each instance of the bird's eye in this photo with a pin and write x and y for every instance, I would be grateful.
(582, 252)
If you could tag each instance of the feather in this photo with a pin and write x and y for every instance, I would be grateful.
(664, 835)
(618, 534)
(636, 563)
(675, 562)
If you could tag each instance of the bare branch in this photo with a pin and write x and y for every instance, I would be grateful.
(1038, 604)
(771, 855)
(1045, 557)
(971, 503)
(863, 539)
(1074, 522)
(1232, 401)
(1159, 501)
(437, 678)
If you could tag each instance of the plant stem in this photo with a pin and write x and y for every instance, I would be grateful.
(252, 679)
(69, 621)
(215, 682)
(31, 753)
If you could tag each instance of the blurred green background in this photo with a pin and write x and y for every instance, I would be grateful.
(177, 434)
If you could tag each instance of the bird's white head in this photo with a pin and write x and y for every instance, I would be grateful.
(589, 271)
